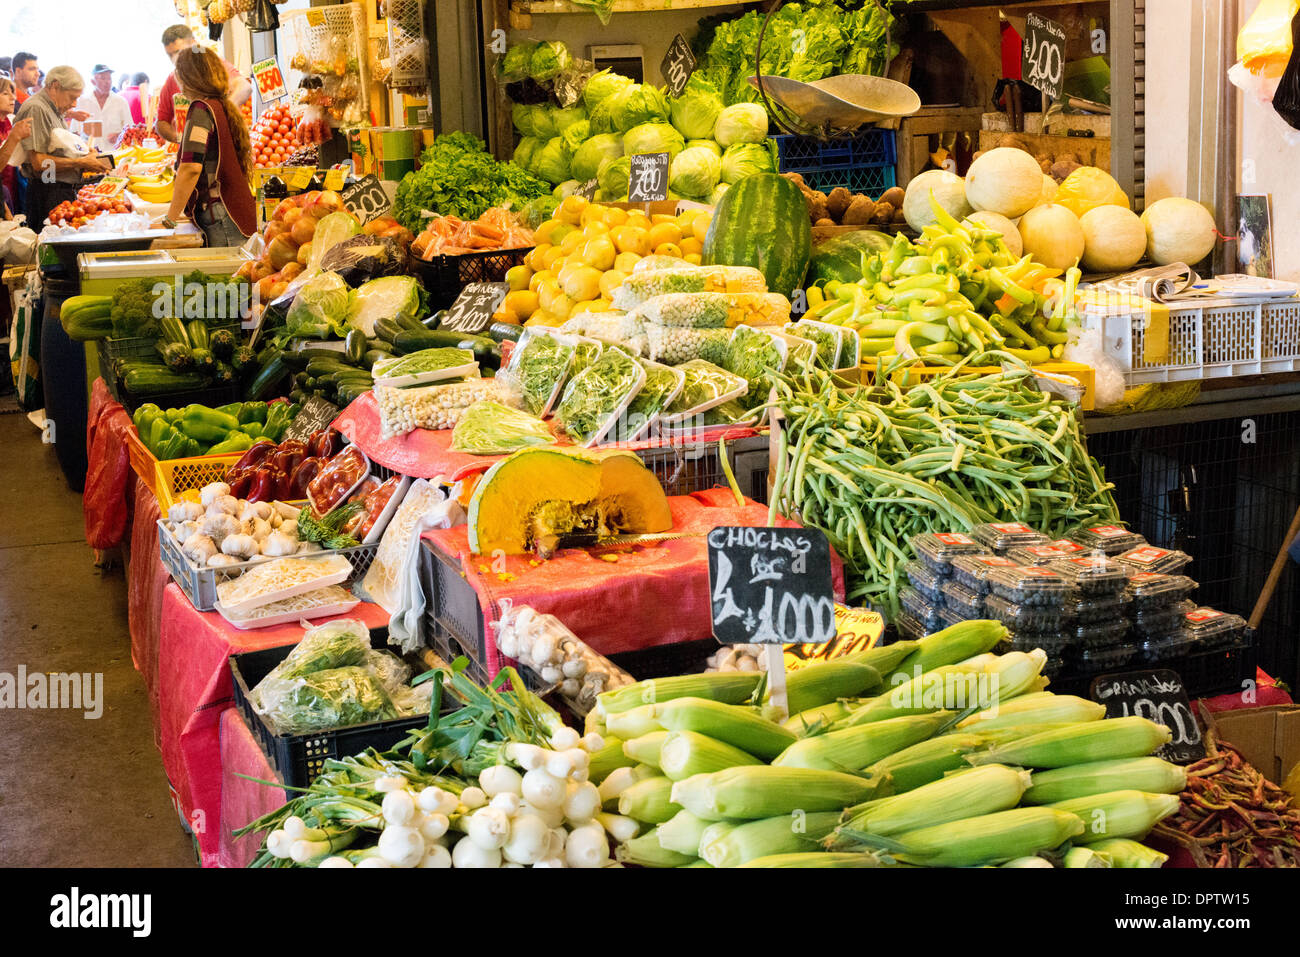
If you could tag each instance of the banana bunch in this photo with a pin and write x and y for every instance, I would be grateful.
(153, 188)
(141, 154)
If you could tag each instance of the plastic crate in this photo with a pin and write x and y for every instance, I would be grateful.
(445, 276)
(1204, 674)
(870, 147)
(300, 758)
(211, 396)
(1208, 340)
(173, 476)
(143, 464)
(871, 180)
(696, 467)
(199, 582)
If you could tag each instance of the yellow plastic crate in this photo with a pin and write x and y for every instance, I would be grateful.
(143, 464)
(174, 477)
(914, 375)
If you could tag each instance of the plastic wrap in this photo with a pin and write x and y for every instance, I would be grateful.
(1029, 586)
(596, 397)
(999, 536)
(325, 700)
(280, 578)
(437, 406)
(1151, 590)
(1148, 558)
(937, 549)
(642, 286)
(706, 385)
(673, 345)
(539, 366)
(490, 428)
(973, 570)
(924, 579)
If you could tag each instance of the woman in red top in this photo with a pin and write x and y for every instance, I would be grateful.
(215, 159)
(11, 135)
(136, 95)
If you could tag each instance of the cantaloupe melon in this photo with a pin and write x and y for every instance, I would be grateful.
(949, 191)
(1004, 180)
(531, 501)
(1050, 187)
(1178, 231)
(1087, 188)
(996, 221)
(1114, 239)
(1052, 235)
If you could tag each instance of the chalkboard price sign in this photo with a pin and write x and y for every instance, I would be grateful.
(648, 179)
(366, 199)
(678, 65)
(472, 311)
(588, 189)
(1042, 55)
(315, 414)
(770, 586)
(1157, 695)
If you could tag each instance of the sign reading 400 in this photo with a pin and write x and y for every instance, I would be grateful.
(770, 586)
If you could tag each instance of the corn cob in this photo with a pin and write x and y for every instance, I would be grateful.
(773, 835)
(646, 851)
(737, 726)
(731, 687)
(1152, 774)
(1041, 706)
(947, 647)
(682, 833)
(990, 838)
(950, 686)
(634, 722)
(1079, 857)
(760, 790)
(1127, 853)
(827, 681)
(819, 718)
(927, 760)
(649, 801)
(1013, 673)
(686, 753)
(1118, 813)
(645, 749)
(1076, 743)
(854, 748)
(1031, 861)
(962, 794)
(884, 658)
(816, 859)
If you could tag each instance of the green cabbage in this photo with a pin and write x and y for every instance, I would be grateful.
(588, 157)
(552, 161)
(395, 297)
(564, 117)
(515, 64)
(746, 159)
(601, 117)
(330, 231)
(741, 123)
(639, 103)
(524, 152)
(575, 134)
(695, 172)
(522, 116)
(710, 144)
(320, 308)
(566, 189)
(542, 118)
(653, 138)
(602, 86)
(548, 59)
(695, 112)
(613, 176)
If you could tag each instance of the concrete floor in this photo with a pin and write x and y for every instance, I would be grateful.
(73, 792)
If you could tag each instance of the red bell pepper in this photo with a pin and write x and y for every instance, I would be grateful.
(263, 486)
(302, 476)
(240, 483)
(286, 460)
(325, 443)
(258, 451)
(283, 487)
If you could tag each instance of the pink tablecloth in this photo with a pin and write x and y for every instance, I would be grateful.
(619, 598)
(194, 689)
(242, 800)
(146, 579)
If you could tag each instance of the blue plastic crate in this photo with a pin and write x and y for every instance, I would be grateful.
(871, 180)
(871, 147)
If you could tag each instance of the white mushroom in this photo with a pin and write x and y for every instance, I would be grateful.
(212, 491)
(185, 511)
(217, 561)
(241, 546)
(278, 544)
(218, 525)
(199, 547)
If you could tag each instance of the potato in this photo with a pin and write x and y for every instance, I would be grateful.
(884, 212)
(860, 211)
(894, 196)
(898, 216)
(837, 201)
(1045, 164)
(1063, 167)
(796, 179)
(825, 222)
(1015, 141)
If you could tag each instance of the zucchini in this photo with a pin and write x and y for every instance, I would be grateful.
(268, 378)
(159, 381)
(297, 395)
(387, 329)
(380, 344)
(412, 341)
(171, 329)
(300, 379)
(501, 331)
(408, 322)
(356, 347)
(200, 338)
(321, 366)
(89, 323)
(374, 355)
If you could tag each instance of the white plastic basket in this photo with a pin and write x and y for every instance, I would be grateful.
(326, 33)
(1208, 340)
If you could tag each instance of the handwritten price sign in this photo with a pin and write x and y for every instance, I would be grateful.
(106, 188)
(1042, 59)
(269, 79)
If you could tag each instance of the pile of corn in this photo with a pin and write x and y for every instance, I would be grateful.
(934, 753)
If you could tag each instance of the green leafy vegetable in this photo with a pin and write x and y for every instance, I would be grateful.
(705, 383)
(490, 428)
(326, 531)
(598, 393)
(426, 360)
(541, 364)
(695, 112)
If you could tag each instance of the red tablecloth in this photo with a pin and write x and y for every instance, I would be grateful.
(194, 689)
(146, 579)
(109, 479)
(620, 598)
(426, 453)
(242, 800)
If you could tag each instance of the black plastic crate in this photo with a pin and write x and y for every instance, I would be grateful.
(445, 276)
(871, 180)
(299, 758)
(1205, 674)
(212, 396)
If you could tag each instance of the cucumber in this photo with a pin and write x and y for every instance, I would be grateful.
(297, 395)
(387, 329)
(374, 355)
(356, 347)
(268, 378)
(408, 322)
(298, 360)
(200, 338)
(300, 379)
(412, 341)
(321, 365)
(501, 331)
(160, 381)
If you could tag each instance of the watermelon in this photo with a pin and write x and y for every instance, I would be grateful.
(840, 257)
(762, 221)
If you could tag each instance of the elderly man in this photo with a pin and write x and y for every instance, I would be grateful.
(107, 113)
(53, 179)
(172, 105)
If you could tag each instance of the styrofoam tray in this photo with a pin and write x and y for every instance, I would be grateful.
(340, 607)
(355, 485)
(612, 419)
(334, 570)
(669, 399)
(469, 370)
(736, 393)
(394, 501)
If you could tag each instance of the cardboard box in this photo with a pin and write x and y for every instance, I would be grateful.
(1268, 737)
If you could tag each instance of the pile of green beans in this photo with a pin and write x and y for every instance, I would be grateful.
(873, 466)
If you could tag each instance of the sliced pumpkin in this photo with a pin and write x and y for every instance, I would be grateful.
(537, 499)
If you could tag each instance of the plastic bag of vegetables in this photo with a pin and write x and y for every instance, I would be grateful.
(394, 297)
(336, 644)
(490, 428)
(320, 308)
(514, 66)
(363, 258)
(324, 700)
(330, 231)
(597, 396)
(548, 59)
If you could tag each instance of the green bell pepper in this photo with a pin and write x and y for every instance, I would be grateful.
(252, 429)
(144, 417)
(234, 408)
(252, 412)
(207, 425)
(278, 416)
(174, 416)
(236, 441)
(193, 448)
(175, 446)
(159, 431)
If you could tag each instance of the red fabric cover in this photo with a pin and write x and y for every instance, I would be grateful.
(108, 476)
(242, 800)
(653, 594)
(147, 578)
(194, 689)
(1266, 694)
(425, 453)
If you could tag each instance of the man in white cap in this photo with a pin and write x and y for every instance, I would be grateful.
(107, 113)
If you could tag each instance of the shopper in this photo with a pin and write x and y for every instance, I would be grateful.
(7, 66)
(171, 113)
(26, 75)
(11, 134)
(53, 179)
(215, 159)
(108, 113)
(136, 95)
(122, 80)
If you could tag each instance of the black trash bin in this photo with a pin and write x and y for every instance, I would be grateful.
(63, 379)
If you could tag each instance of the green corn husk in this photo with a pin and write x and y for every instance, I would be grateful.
(1032, 861)
(759, 791)
(884, 658)
(1151, 774)
(854, 748)
(827, 681)
(947, 647)
(687, 753)
(1118, 813)
(1112, 738)
(1041, 707)
(962, 794)
(645, 749)
(649, 800)
(1123, 852)
(775, 835)
(682, 834)
(741, 727)
(951, 686)
(729, 687)
(816, 720)
(1080, 857)
(646, 851)
(988, 839)
(634, 723)
(817, 859)
(928, 760)
(607, 759)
